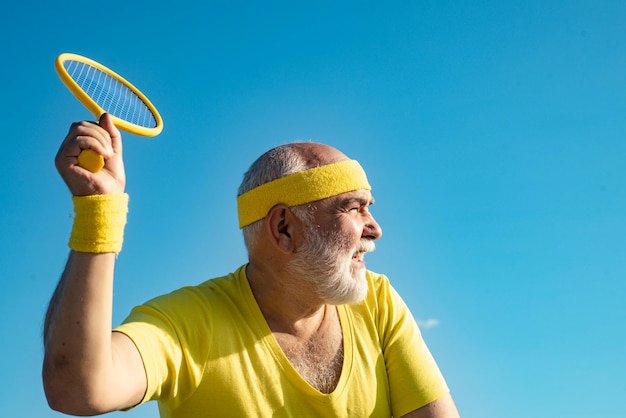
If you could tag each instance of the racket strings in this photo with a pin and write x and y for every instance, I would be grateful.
(110, 94)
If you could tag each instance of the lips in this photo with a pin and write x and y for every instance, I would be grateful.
(358, 256)
(365, 246)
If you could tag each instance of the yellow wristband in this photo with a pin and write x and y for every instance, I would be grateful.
(99, 223)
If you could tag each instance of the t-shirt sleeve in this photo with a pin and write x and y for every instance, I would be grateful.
(171, 349)
(414, 377)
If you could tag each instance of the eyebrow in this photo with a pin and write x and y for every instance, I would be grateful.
(360, 200)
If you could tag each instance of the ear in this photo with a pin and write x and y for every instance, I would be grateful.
(280, 223)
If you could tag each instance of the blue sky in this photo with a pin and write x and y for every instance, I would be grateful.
(493, 134)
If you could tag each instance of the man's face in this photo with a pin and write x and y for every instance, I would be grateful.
(331, 254)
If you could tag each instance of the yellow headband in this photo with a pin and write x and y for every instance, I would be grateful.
(300, 188)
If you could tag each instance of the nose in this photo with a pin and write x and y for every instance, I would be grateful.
(371, 229)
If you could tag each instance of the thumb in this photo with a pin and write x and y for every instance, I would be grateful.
(106, 122)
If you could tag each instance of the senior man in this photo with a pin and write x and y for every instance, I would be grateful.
(301, 330)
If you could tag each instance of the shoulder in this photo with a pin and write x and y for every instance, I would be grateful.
(211, 288)
(383, 303)
(380, 289)
(376, 280)
(378, 299)
(194, 302)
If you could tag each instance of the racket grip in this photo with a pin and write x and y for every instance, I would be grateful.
(90, 160)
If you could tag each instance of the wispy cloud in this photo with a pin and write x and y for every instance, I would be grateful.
(428, 323)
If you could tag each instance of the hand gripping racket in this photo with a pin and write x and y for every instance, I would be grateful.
(103, 91)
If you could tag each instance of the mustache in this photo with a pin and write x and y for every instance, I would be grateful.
(365, 246)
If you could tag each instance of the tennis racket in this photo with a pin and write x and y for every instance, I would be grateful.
(103, 91)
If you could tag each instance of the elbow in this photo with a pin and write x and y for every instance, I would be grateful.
(61, 403)
(67, 401)
(58, 396)
(53, 386)
(60, 393)
(67, 394)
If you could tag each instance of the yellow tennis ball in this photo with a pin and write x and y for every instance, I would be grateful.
(90, 160)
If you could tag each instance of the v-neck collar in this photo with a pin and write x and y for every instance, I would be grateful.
(260, 327)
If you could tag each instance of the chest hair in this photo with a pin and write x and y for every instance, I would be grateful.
(319, 358)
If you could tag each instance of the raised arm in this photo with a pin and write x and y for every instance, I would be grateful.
(88, 369)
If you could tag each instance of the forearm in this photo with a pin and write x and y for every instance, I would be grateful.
(77, 333)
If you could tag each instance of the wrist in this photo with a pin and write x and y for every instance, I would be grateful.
(99, 223)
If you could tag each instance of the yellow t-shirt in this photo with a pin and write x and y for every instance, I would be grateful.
(208, 351)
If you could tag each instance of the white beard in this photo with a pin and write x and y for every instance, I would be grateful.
(326, 262)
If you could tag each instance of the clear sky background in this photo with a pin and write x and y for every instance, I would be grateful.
(493, 133)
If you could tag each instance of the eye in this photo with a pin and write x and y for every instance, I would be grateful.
(354, 208)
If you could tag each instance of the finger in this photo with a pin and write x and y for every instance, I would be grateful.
(87, 135)
(106, 122)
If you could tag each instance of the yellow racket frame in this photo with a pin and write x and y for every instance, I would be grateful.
(94, 108)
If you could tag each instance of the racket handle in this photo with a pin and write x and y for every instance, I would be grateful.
(90, 160)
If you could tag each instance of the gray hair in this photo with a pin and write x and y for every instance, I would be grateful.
(274, 164)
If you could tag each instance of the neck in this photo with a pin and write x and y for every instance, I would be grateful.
(287, 305)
